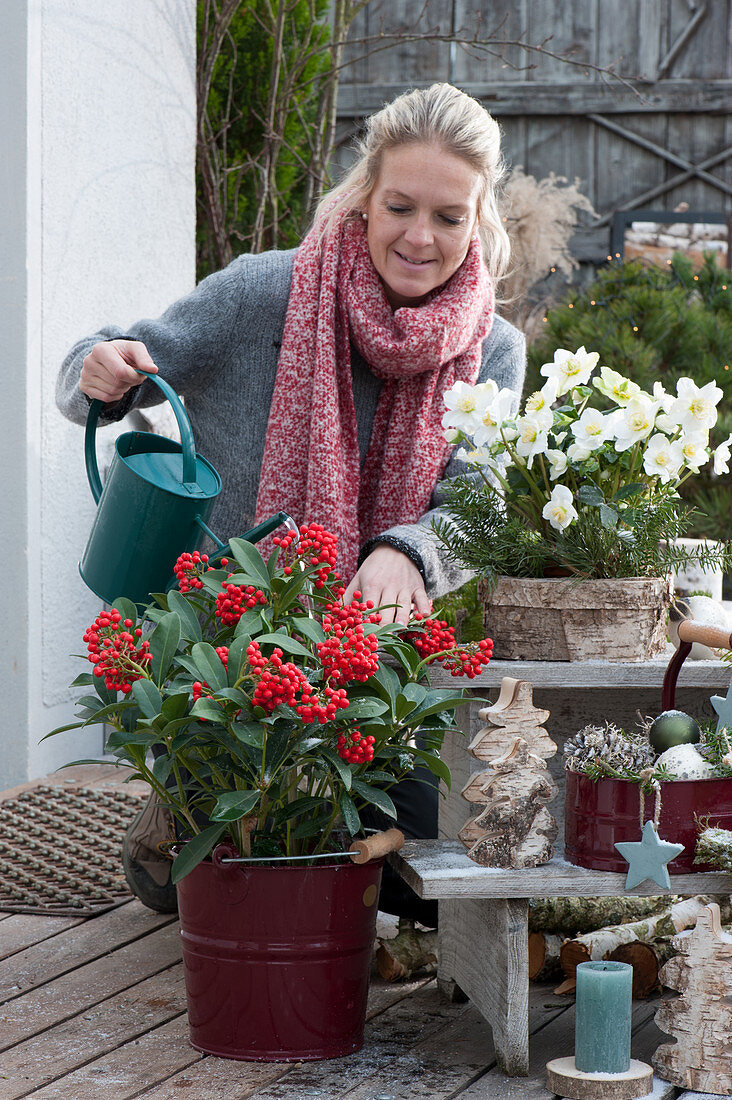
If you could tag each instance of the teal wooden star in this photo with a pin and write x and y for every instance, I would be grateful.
(647, 858)
(723, 707)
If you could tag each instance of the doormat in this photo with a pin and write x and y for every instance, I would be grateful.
(61, 850)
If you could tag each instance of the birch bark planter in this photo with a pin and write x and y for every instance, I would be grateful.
(560, 619)
(597, 814)
(277, 959)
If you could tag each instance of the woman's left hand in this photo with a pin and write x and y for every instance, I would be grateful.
(389, 577)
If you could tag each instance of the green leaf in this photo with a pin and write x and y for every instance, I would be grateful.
(251, 561)
(249, 733)
(234, 695)
(234, 805)
(196, 850)
(414, 692)
(387, 683)
(250, 623)
(363, 707)
(207, 709)
(190, 626)
(209, 665)
(350, 814)
(340, 766)
(631, 490)
(608, 516)
(375, 796)
(163, 645)
(148, 698)
(435, 764)
(126, 608)
(237, 657)
(590, 494)
(311, 827)
(286, 643)
(175, 706)
(84, 679)
(309, 628)
(162, 769)
(434, 703)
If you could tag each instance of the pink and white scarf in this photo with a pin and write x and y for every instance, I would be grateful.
(311, 466)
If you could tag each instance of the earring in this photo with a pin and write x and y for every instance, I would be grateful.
(364, 216)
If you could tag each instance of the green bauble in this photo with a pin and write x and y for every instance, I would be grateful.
(673, 727)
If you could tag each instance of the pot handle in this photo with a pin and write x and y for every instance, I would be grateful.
(690, 632)
(184, 424)
(377, 845)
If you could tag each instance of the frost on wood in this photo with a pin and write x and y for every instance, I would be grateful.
(513, 828)
(700, 1019)
(715, 846)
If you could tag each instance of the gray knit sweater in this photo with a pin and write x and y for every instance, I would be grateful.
(219, 347)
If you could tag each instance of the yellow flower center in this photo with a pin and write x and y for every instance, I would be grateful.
(466, 403)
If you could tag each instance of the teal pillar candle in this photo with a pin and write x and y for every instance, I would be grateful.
(602, 1019)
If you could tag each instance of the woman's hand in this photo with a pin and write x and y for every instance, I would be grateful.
(110, 369)
(389, 577)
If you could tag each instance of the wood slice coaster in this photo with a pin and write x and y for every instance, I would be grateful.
(564, 1079)
(61, 850)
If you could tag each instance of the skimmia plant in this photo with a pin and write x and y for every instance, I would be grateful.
(256, 704)
(584, 479)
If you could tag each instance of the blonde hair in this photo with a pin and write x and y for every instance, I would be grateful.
(439, 115)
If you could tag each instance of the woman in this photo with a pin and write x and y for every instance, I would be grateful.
(314, 378)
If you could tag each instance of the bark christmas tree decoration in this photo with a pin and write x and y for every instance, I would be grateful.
(512, 715)
(513, 827)
(701, 1018)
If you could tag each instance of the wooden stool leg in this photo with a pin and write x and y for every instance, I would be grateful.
(484, 950)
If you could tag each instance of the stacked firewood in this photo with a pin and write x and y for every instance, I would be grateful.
(634, 930)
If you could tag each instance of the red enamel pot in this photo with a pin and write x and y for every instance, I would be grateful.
(598, 814)
(277, 958)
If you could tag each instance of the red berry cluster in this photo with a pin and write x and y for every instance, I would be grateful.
(234, 599)
(315, 546)
(439, 638)
(188, 570)
(279, 681)
(356, 749)
(347, 653)
(115, 652)
(198, 688)
(316, 708)
(283, 682)
(222, 652)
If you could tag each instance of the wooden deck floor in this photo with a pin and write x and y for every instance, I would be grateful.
(96, 1009)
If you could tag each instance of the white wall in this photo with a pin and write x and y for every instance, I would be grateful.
(97, 224)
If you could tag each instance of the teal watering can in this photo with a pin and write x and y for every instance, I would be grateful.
(154, 506)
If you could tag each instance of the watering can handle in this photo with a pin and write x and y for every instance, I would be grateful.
(690, 632)
(184, 424)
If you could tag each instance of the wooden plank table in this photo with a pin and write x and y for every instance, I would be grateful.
(483, 934)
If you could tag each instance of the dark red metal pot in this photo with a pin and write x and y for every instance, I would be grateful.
(277, 958)
(597, 814)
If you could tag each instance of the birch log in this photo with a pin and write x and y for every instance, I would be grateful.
(700, 1019)
(602, 942)
(544, 956)
(570, 917)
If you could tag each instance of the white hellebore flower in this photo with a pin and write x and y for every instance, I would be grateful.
(476, 456)
(461, 401)
(694, 452)
(722, 457)
(492, 410)
(591, 430)
(635, 422)
(539, 405)
(615, 386)
(695, 409)
(559, 509)
(531, 439)
(557, 463)
(570, 368)
(577, 452)
(662, 459)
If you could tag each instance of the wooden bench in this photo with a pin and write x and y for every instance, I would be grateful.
(483, 935)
